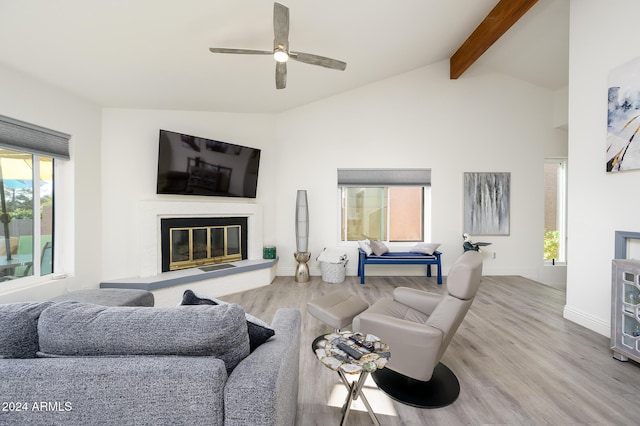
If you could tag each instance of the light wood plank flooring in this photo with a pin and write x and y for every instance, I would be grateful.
(518, 361)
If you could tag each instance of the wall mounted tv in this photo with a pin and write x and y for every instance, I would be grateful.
(190, 165)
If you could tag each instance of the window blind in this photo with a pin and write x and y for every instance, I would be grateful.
(22, 136)
(384, 177)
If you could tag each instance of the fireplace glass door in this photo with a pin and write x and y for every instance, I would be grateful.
(197, 246)
(233, 241)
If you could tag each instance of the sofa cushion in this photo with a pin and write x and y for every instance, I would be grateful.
(82, 329)
(114, 391)
(19, 329)
(258, 330)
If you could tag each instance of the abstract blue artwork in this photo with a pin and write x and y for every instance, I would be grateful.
(486, 203)
(623, 118)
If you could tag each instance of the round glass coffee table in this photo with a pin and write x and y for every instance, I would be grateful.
(370, 355)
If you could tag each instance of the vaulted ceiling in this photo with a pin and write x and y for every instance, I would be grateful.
(154, 53)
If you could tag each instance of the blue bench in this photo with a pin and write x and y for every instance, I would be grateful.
(400, 258)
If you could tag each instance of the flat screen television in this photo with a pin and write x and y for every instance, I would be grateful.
(191, 165)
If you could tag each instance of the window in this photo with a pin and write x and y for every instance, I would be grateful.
(27, 163)
(26, 206)
(555, 184)
(384, 204)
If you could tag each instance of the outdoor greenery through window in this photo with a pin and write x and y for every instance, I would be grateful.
(388, 213)
(555, 172)
(26, 218)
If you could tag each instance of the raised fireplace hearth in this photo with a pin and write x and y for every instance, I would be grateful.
(168, 287)
(190, 242)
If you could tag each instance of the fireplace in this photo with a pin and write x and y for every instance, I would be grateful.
(217, 279)
(200, 241)
(152, 212)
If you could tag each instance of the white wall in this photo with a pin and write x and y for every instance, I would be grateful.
(478, 123)
(603, 35)
(130, 161)
(78, 246)
(483, 122)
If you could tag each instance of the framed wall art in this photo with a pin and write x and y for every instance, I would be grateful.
(623, 118)
(486, 203)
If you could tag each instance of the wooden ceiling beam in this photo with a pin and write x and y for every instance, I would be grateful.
(498, 21)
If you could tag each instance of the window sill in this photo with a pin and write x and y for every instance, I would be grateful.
(557, 263)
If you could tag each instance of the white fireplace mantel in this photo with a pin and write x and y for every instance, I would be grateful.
(152, 211)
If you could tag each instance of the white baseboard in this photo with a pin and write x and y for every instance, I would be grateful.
(588, 321)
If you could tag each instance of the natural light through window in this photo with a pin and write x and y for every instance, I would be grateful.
(379, 401)
(394, 213)
(392, 205)
(555, 183)
(26, 218)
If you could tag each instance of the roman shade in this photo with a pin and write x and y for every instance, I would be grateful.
(384, 177)
(21, 136)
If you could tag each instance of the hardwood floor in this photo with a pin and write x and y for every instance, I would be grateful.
(518, 361)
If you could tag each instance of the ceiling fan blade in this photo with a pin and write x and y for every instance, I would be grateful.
(240, 51)
(281, 75)
(281, 26)
(308, 58)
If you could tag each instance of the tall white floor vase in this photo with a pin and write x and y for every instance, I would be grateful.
(302, 255)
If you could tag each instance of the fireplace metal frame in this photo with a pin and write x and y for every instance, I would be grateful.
(169, 224)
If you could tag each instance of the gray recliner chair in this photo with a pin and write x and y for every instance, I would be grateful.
(418, 326)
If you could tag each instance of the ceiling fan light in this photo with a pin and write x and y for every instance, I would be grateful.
(280, 56)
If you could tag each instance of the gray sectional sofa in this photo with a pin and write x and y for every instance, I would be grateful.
(74, 363)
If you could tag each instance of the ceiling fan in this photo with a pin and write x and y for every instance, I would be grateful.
(281, 52)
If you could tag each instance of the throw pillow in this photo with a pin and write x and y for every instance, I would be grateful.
(259, 331)
(379, 248)
(19, 325)
(425, 248)
(365, 245)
